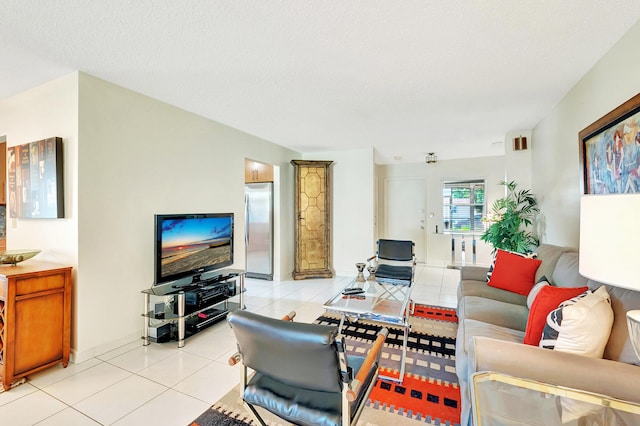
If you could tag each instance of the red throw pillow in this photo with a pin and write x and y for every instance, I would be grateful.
(547, 300)
(514, 272)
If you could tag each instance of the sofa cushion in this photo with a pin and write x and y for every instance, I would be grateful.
(481, 289)
(566, 272)
(549, 254)
(467, 330)
(547, 299)
(514, 272)
(583, 324)
(493, 312)
(619, 346)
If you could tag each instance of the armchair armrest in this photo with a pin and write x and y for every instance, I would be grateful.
(372, 357)
(476, 273)
(615, 379)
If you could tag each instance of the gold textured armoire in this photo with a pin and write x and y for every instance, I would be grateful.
(312, 219)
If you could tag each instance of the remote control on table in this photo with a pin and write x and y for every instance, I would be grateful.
(350, 291)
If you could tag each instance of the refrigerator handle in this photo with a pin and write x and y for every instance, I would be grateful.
(246, 219)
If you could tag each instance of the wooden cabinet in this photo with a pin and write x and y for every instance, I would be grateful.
(312, 200)
(255, 172)
(35, 318)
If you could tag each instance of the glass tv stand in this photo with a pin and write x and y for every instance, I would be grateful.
(176, 312)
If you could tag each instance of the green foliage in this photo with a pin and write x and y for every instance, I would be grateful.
(510, 216)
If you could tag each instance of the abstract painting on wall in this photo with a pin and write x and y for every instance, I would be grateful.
(610, 151)
(35, 179)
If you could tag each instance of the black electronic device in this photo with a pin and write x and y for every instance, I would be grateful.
(204, 319)
(352, 291)
(200, 297)
(159, 311)
(161, 333)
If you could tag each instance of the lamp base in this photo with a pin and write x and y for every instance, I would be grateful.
(633, 322)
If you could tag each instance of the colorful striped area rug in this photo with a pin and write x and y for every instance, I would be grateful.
(428, 395)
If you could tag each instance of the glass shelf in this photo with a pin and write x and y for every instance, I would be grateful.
(176, 312)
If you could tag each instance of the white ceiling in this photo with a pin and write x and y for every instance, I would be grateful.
(404, 76)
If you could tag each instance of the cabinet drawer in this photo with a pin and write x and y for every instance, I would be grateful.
(42, 283)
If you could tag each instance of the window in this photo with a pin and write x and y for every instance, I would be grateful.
(463, 206)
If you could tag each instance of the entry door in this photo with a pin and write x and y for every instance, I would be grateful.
(404, 208)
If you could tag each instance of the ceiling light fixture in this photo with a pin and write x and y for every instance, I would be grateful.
(431, 158)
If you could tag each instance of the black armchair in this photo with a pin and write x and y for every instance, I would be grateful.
(302, 373)
(394, 261)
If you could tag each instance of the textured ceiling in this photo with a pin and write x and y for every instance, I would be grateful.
(403, 76)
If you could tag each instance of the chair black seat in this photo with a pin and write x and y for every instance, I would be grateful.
(298, 405)
(394, 272)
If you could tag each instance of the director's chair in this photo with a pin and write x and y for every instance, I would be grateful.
(302, 372)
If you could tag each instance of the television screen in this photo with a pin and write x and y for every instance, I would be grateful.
(191, 244)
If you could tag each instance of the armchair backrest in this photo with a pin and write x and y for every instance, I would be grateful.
(400, 250)
(298, 354)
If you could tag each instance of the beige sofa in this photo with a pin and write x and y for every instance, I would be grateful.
(492, 326)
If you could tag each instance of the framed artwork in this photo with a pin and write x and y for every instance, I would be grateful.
(35, 185)
(610, 151)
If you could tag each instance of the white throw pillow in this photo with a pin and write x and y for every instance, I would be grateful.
(586, 325)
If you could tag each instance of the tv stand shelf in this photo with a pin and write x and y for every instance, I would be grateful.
(174, 312)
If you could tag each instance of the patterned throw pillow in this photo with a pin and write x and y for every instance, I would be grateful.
(547, 299)
(581, 325)
(554, 322)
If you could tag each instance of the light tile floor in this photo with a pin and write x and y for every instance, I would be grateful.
(160, 384)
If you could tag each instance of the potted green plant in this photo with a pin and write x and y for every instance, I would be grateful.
(510, 219)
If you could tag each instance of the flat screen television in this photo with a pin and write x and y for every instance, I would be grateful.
(188, 245)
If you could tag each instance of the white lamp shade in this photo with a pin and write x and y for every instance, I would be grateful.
(609, 239)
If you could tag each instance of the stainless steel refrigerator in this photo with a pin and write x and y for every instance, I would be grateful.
(259, 230)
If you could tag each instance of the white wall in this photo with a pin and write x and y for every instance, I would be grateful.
(127, 157)
(438, 249)
(138, 157)
(352, 177)
(517, 164)
(45, 111)
(556, 167)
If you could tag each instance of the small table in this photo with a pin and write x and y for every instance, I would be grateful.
(498, 399)
(380, 302)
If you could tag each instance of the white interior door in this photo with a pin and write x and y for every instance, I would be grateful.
(404, 212)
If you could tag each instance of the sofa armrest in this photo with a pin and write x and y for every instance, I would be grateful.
(475, 273)
(615, 379)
